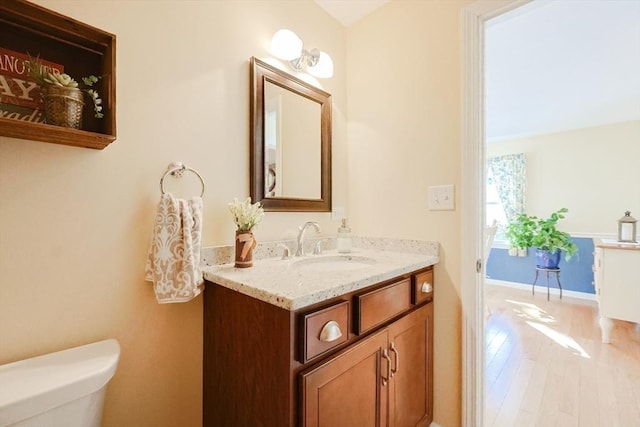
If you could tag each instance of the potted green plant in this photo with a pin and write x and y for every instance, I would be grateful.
(63, 96)
(529, 231)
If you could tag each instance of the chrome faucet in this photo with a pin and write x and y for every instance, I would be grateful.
(301, 230)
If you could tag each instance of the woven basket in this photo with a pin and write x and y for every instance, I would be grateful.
(63, 106)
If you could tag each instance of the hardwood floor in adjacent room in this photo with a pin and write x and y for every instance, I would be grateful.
(546, 365)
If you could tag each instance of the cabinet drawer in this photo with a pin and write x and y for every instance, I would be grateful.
(375, 307)
(324, 329)
(422, 287)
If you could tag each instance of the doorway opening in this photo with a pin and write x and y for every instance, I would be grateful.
(477, 18)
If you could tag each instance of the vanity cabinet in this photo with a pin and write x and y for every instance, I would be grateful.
(360, 359)
(384, 380)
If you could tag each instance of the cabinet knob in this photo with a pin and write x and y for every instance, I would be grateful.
(426, 287)
(330, 331)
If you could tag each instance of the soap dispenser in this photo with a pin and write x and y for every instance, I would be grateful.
(344, 238)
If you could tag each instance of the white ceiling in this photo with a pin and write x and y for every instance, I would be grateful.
(551, 65)
(559, 65)
(348, 12)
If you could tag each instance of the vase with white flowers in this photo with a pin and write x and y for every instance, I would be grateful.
(63, 96)
(246, 216)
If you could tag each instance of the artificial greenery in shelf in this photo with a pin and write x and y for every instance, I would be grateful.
(46, 79)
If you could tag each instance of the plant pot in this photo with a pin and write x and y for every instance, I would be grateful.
(63, 106)
(245, 243)
(546, 259)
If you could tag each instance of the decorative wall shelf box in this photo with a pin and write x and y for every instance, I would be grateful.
(82, 50)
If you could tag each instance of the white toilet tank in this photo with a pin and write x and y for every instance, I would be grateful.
(61, 389)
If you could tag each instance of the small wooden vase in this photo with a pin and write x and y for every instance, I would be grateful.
(245, 242)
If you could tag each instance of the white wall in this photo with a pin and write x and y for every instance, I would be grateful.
(75, 223)
(404, 97)
(594, 172)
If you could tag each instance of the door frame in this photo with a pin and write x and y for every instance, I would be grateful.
(475, 17)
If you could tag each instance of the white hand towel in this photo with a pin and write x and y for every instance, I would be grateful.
(173, 262)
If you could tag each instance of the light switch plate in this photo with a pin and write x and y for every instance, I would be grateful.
(442, 197)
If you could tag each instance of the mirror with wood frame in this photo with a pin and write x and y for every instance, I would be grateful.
(290, 142)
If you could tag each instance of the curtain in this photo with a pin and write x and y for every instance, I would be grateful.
(510, 175)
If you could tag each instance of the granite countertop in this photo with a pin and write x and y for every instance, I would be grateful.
(284, 284)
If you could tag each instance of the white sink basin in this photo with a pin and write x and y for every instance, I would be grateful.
(334, 263)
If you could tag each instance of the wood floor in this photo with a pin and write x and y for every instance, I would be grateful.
(546, 366)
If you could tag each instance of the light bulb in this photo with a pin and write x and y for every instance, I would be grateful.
(285, 44)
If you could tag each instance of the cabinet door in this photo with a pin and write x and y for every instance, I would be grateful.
(347, 390)
(411, 385)
(620, 288)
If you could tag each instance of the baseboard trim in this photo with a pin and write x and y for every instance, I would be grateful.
(552, 290)
(434, 425)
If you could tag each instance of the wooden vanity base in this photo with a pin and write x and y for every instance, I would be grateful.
(268, 366)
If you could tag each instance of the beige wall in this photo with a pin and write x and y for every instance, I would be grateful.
(300, 145)
(594, 172)
(404, 98)
(75, 223)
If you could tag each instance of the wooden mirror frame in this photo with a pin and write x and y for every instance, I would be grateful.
(261, 72)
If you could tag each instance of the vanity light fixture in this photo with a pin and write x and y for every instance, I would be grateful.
(286, 45)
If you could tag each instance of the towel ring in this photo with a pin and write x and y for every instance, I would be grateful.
(177, 169)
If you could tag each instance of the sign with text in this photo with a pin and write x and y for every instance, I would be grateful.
(19, 95)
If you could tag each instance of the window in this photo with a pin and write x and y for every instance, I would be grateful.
(505, 190)
(494, 210)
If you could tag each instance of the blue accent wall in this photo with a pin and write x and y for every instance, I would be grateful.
(575, 274)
